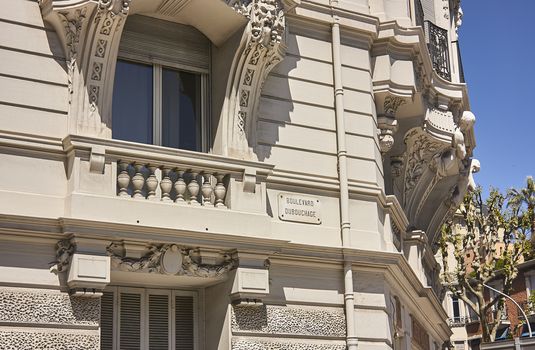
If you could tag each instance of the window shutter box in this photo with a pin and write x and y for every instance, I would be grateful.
(147, 38)
(89, 271)
(250, 283)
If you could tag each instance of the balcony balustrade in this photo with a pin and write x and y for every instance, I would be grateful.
(154, 174)
(182, 185)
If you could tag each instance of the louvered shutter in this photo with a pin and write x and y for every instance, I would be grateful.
(130, 321)
(184, 322)
(428, 7)
(149, 38)
(158, 322)
(106, 321)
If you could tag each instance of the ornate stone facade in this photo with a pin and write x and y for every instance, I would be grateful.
(337, 102)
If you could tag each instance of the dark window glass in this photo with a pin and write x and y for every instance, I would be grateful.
(181, 127)
(132, 102)
(456, 310)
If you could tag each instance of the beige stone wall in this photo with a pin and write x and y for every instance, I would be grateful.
(33, 98)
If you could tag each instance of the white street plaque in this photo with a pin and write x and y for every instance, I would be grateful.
(299, 208)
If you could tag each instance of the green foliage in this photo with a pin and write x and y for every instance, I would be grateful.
(495, 232)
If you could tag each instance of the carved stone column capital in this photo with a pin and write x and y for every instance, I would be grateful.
(90, 32)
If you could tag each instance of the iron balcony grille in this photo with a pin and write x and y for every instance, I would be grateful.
(461, 321)
(437, 43)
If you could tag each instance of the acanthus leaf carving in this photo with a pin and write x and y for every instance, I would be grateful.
(437, 169)
(64, 251)
(90, 32)
(387, 123)
(261, 48)
(170, 259)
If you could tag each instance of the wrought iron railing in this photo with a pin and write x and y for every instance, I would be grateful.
(461, 321)
(528, 307)
(437, 43)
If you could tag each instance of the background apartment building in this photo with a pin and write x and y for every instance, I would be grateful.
(465, 324)
(208, 174)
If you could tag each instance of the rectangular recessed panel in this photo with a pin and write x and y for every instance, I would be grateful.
(106, 321)
(184, 322)
(130, 321)
(158, 322)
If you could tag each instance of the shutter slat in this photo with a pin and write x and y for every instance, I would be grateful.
(151, 38)
(106, 321)
(158, 322)
(184, 322)
(130, 327)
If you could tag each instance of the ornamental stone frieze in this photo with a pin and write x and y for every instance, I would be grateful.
(90, 31)
(170, 259)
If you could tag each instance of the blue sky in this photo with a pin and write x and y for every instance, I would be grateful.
(497, 41)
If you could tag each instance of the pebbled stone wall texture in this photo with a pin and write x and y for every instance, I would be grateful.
(306, 321)
(19, 340)
(254, 344)
(20, 305)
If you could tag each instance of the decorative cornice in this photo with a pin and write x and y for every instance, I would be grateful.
(170, 259)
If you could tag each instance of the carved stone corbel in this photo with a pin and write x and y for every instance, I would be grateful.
(90, 32)
(262, 46)
(436, 168)
(387, 123)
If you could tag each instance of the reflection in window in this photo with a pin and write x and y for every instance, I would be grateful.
(456, 309)
(132, 102)
(180, 110)
(157, 105)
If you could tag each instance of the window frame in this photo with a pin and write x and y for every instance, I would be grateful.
(157, 66)
(144, 317)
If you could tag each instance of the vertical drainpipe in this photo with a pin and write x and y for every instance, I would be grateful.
(345, 226)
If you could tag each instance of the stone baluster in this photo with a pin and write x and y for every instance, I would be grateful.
(166, 185)
(193, 189)
(152, 182)
(180, 186)
(220, 191)
(123, 179)
(206, 189)
(138, 181)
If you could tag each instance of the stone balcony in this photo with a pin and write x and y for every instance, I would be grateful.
(130, 183)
